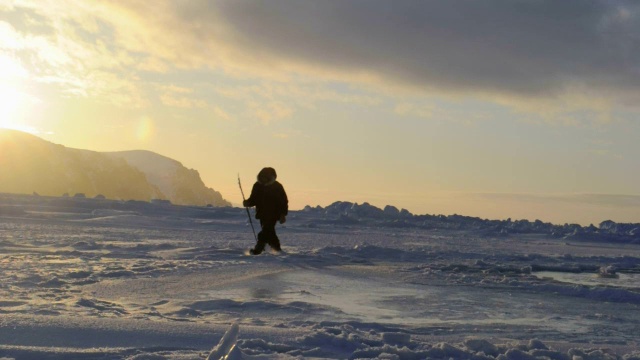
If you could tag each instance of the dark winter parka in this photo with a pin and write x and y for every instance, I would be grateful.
(269, 197)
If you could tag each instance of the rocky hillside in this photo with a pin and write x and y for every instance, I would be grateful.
(181, 185)
(32, 165)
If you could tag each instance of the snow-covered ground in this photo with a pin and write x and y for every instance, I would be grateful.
(99, 279)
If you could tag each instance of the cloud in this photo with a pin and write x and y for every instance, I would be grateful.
(553, 61)
(180, 97)
(511, 52)
(221, 114)
(524, 48)
(270, 101)
(288, 134)
(270, 112)
(409, 109)
(62, 45)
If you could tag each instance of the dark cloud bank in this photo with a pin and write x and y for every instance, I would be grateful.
(528, 48)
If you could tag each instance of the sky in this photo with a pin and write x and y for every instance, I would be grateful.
(497, 109)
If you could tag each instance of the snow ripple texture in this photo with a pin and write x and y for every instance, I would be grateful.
(101, 279)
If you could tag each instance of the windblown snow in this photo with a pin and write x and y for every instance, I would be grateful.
(100, 279)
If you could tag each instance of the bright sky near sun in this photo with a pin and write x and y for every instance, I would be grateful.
(523, 109)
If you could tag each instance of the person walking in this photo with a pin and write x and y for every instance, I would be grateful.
(272, 206)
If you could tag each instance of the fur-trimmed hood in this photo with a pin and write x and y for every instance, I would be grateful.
(267, 176)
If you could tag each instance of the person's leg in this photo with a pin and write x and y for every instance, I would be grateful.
(269, 231)
(263, 239)
(275, 242)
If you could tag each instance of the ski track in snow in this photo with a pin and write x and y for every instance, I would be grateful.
(168, 282)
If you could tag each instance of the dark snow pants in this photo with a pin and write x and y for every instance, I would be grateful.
(267, 236)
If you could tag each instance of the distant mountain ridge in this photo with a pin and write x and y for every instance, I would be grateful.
(30, 164)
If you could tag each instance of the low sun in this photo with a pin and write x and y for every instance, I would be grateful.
(16, 107)
(15, 104)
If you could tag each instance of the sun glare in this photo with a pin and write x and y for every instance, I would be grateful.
(145, 129)
(14, 106)
(14, 103)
